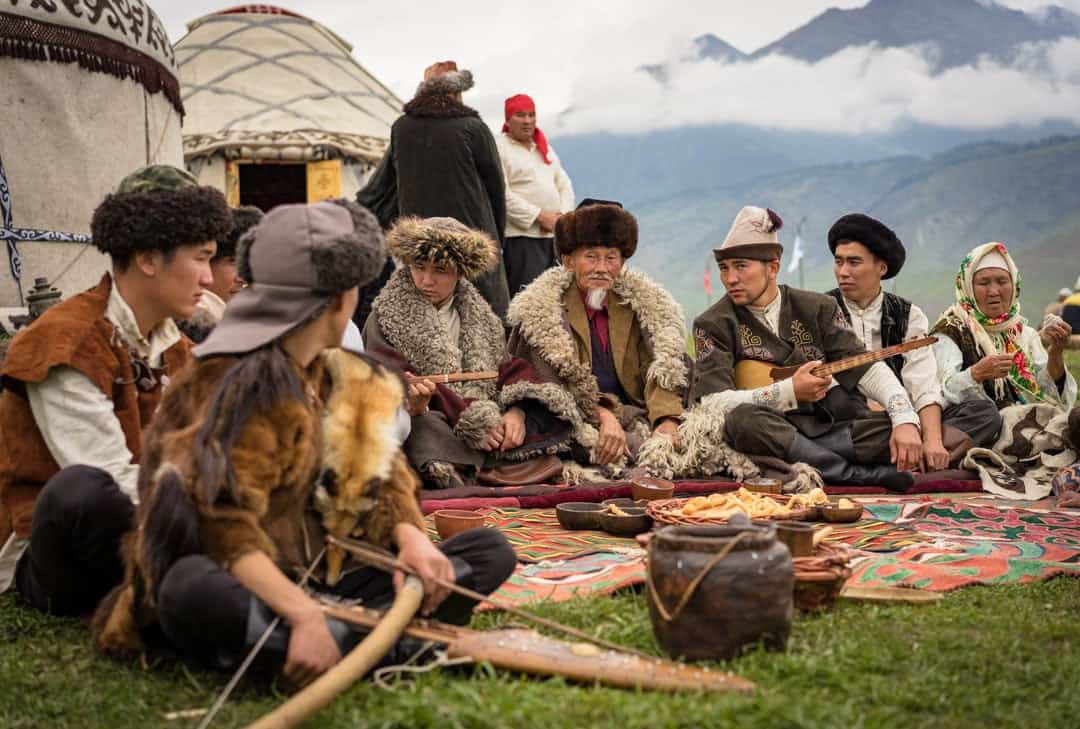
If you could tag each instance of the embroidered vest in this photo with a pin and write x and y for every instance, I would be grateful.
(73, 333)
(965, 340)
(895, 313)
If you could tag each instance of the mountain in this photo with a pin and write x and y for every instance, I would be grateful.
(1023, 195)
(953, 32)
(640, 168)
(706, 47)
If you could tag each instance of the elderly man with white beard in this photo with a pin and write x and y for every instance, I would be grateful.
(607, 344)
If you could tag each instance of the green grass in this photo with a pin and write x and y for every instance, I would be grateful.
(1001, 657)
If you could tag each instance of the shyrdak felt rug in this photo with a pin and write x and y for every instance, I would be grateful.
(594, 574)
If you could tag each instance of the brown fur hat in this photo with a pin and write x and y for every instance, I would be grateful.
(597, 223)
(445, 241)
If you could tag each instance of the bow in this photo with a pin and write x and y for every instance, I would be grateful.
(352, 667)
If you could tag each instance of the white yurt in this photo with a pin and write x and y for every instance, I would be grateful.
(88, 93)
(278, 110)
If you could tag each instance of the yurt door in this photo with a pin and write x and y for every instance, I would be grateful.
(268, 184)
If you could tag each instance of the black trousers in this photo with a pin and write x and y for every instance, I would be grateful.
(203, 610)
(74, 559)
(525, 259)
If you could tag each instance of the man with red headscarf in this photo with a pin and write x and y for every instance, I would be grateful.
(538, 191)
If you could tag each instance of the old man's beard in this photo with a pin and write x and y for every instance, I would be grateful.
(594, 298)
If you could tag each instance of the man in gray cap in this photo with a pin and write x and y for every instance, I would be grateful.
(81, 383)
(267, 443)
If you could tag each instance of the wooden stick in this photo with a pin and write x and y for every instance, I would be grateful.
(376, 558)
(449, 377)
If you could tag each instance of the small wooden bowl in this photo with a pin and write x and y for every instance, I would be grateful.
(798, 536)
(636, 522)
(832, 513)
(763, 485)
(449, 522)
(650, 489)
(576, 515)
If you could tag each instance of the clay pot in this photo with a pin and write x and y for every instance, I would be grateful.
(651, 489)
(449, 522)
(714, 591)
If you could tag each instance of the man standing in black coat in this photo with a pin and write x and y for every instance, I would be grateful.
(442, 162)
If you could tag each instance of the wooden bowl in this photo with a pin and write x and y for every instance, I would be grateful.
(576, 515)
(635, 522)
(650, 489)
(449, 522)
(763, 485)
(832, 512)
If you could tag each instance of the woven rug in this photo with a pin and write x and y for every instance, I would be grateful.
(970, 544)
(536, 535)
(594, 574)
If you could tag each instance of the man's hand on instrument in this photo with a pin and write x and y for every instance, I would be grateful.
(669, 428)
(312, 650)
(513, 429)
(416, 552)
(808, 386)
(935, 457)
(992, 367)
(419, 395)
(612, 442)
(905, 447)
(1055, 333)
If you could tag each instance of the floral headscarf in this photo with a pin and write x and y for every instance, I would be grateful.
(999, 334)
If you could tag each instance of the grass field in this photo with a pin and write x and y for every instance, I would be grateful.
(983, 657)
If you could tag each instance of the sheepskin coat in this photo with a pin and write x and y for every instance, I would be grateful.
(302, 467)
(648, 343)
(404, 329)
(442, 162)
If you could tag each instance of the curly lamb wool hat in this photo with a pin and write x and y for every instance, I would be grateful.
(295, 260)
(878, 238)
(597, 223)
(158, 208)
(442, 241)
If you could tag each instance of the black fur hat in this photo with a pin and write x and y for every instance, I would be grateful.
(158, 208)
(244, 218)
(875, 235)
(597, 223)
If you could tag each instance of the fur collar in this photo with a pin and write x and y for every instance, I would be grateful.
(411, 326)
(438, 107)
(538, 312)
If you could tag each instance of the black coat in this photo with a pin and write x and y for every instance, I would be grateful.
(442, 161)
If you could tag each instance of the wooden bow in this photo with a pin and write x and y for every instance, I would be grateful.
(320, 692)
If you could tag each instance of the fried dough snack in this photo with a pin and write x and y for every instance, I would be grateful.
(816, 497)
(724, 506)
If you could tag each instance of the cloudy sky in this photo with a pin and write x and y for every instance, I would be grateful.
(580, 55)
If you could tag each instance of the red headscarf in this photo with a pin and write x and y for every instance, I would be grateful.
(522, 102)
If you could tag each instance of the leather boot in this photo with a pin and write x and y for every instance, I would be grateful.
(838, 470)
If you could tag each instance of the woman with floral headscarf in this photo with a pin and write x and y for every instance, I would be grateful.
(988, 350)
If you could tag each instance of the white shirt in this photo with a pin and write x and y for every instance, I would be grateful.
(959, 386)
(879, 382)
(532, 186)
(919, 371)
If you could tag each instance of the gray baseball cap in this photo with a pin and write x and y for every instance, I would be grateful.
(295, 261)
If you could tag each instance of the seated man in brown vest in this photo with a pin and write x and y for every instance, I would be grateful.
(81, 383)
